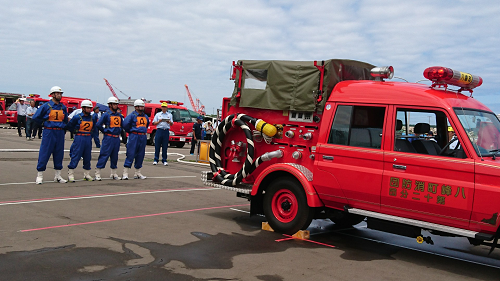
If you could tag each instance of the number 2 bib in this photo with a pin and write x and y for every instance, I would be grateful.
(86, 126)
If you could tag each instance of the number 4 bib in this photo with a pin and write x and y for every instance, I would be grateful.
(141, 121)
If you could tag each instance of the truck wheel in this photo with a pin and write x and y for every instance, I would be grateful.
(152, 138)
(179, 144)
(285, 207)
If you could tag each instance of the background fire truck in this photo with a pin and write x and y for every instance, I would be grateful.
(3, 116)
(303, 140)
(183, 118)
(71, 103)
(180, 131)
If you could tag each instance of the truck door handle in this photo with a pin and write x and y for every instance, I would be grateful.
(400, 167)
(327, 157)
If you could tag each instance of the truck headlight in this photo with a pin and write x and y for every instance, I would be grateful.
(190, 134)
(171, 133)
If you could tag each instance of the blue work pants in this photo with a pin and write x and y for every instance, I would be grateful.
(109, 149)
(95, 136)
(52, 144)
(29, 127)
(81, 147)
(136, 149)
(161, 140)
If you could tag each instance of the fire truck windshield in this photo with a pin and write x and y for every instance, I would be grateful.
(180, 115)
(483, 130)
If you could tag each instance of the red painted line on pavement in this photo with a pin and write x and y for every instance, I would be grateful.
(291, 238)
(103, 194)
(134, 217)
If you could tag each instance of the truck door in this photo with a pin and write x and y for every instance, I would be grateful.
(418, 181)
(349, 164)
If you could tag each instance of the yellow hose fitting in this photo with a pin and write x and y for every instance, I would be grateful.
(266, 128)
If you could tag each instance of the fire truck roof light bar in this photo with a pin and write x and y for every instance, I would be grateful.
(446, 76)
(382, 72)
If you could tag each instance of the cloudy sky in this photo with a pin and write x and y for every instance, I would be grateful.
(151, 48)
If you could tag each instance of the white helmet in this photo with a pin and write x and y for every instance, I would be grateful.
(86, 103)
(56, 89)
(139, 103)
(112, 100)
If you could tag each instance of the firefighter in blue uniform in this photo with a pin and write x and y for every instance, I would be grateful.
(55, 116)
(112, 121)
(83, 126)
(136, 124)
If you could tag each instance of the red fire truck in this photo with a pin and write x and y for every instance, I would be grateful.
(3, 116)
(71, 103)
(334, 140)
(180, 131)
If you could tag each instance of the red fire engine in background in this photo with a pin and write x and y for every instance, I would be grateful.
(3, 116)
(404, 157)
(71, 103)
(180, 131)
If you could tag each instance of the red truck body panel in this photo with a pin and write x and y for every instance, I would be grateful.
(456, 192)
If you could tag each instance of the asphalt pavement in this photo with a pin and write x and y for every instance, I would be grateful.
(172, 227)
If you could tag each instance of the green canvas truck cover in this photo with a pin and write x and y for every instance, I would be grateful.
(293, 85)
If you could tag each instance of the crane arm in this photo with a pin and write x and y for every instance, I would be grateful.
(111, 88)
(191, 99)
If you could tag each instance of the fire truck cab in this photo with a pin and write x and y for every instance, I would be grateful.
(12, 113)
(180, 131)
(345, 144)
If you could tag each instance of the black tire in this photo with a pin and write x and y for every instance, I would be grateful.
(180, 144)
(285, 206)
(152, 138)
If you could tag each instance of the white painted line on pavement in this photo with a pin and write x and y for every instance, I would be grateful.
(103, 196)
(32, 182)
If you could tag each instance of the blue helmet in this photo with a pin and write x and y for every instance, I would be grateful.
(200, 117)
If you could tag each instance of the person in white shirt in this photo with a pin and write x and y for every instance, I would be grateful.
(30, 111)
(163, 121)
(21, 115)
(71, 115)
(209, 130)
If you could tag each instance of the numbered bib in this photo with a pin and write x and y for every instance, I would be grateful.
(141, 121)
(86, 126)
(116, 122)
(56, 115)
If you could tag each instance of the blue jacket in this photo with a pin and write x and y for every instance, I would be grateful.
(136, 122)
(112, 123)
(81, 124)
(54, 115)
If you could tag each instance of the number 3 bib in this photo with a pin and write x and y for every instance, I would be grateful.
(115, 122)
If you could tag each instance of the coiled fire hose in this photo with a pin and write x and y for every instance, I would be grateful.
(240, 120)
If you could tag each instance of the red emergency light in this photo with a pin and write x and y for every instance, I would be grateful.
(446, 76)
(172, 102)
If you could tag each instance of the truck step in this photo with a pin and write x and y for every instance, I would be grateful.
(422, 224)
(241, 188)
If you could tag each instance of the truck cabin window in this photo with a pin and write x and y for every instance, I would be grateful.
(359, 126)
(180, 115)
(426, 132)
(483, 130)
(255, 79)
